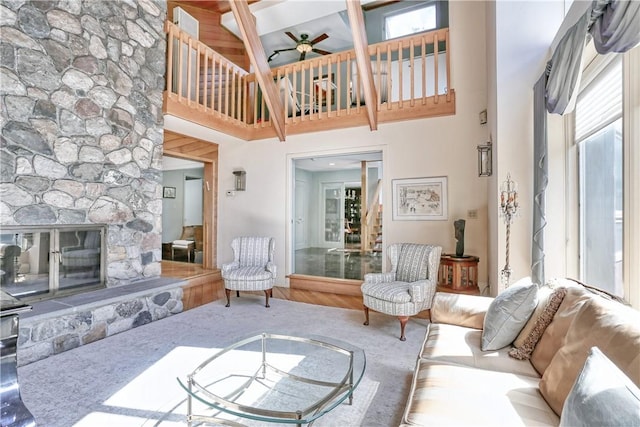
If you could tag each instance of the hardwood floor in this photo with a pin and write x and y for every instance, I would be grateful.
(191, 272)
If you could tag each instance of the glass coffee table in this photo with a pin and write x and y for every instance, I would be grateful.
(273, 378)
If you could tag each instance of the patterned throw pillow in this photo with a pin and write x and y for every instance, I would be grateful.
(541, 323)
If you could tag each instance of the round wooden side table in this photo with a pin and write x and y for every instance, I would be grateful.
(459, 273)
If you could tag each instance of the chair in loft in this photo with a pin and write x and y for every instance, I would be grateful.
(410, 285)
(380, 80)
(252, 268)
(291, 98)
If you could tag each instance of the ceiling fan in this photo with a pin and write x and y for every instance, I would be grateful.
(303, 45)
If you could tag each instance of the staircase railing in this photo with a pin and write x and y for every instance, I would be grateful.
(198, 76)
(369, 232)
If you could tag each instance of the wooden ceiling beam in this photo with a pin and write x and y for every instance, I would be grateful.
(361, 47)
(258, 59)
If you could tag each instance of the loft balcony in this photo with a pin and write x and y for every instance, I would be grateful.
(411, 75)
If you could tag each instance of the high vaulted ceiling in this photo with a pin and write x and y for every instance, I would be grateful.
(312, 17)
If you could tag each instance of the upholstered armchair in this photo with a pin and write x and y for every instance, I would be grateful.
(410, 285)
(252, 268)
(85, 255)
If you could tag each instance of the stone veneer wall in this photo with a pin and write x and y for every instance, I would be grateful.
(41, 338)
(82, 126)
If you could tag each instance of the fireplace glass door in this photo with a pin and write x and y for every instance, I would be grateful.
(41, 263)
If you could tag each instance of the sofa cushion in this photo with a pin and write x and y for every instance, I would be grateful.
(453, 395)
(553, 337)
(544, 293)
(602, 395)
(507, 315)
(523, 350)
(457, 344)
(459, 309)
(608, 325)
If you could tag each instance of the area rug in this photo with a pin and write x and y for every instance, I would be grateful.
(129, 379)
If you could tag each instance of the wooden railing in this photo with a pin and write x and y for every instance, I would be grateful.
(407, 71)
(199, 77)
(411, 76)
(369, 231)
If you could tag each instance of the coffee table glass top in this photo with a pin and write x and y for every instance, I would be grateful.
(275, 378)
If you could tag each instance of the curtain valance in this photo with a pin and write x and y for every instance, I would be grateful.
(614, 26)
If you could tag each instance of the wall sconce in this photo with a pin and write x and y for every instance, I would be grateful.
(240, 180)
(484, 160)
(508, 210)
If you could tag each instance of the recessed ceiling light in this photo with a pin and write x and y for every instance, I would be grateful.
(332, 164)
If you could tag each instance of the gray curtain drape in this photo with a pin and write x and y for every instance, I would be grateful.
(540, 179)
(615, 27)
(565, 67)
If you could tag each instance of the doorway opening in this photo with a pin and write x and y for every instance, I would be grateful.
(182, 210)
(337, 229)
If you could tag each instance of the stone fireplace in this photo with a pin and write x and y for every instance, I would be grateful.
(81, 145)
(82, 125)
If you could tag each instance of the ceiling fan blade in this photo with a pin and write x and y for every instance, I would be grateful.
(321, 52)
(320, 38)
(302, 56)
(291, 36)
(284, 50)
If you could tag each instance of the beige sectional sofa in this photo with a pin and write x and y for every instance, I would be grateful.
(455, 383)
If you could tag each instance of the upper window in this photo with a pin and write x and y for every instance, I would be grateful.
(410, 22)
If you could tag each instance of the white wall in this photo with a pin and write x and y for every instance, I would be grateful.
(419, 148)
(519, 49)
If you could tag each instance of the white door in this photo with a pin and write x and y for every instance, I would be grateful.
(301, 214)
(332, 215)
(192, 201)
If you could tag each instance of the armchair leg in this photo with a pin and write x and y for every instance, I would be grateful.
(228, 293)
(267, 292)
(366, 315)
(238, 294)
(403, 322)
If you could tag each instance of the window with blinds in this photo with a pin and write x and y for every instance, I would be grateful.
(598, 135)
(600, 103)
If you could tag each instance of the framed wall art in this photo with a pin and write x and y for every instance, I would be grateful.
(420, 199)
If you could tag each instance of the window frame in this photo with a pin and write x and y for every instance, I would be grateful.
(594, 65)
(407, 10)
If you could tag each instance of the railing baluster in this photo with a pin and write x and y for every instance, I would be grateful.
(180, 66)
(448, 59)
(412, 65)
(378, 69)
(400, 94)
(423, 78)
(219, 78)
(339, 86)
(170, 39)
(435, 66)
(389, 87)
(197, 73)
(205, 75)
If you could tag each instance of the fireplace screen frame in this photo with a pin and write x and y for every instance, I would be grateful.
(45, 262)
